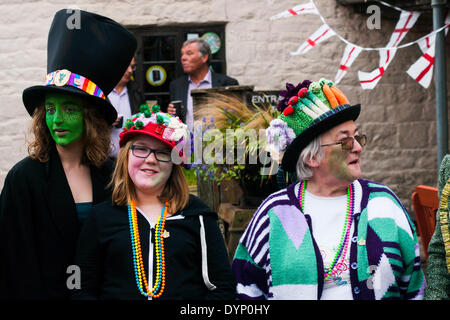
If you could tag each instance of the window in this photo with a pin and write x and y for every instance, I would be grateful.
(158, 56)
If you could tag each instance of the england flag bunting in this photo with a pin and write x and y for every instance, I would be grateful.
(321, 34)
(297, 10)
(351, 52)
(422, 69)
(406, 21)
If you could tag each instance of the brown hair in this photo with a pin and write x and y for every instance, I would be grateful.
(96, 136)
(176, 190)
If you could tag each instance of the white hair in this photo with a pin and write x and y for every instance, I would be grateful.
(312, 151)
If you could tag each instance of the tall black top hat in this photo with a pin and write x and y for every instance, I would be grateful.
(87, 55)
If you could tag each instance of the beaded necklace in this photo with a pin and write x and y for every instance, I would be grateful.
(345, 236)
(139, 271)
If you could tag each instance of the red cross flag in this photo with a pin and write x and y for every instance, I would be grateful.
(422, 69)
(350, 53)
(297, 10)
(321, 34)
(406, 21)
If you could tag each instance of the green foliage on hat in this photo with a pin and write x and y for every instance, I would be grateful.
(129, 124)
(143, 108)
(139, 125)
(147, 113)
(156, 108)
(160, 119)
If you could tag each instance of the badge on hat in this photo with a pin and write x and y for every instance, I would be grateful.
(61, 77)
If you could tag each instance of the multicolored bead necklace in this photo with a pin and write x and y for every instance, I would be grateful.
(345, 236)
(139, 271)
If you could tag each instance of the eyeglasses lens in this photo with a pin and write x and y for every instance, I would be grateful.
(347, 143)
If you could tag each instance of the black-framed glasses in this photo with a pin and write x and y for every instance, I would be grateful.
(144, 152)
(347, 143)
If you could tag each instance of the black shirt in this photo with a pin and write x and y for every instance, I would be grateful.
(106, 260)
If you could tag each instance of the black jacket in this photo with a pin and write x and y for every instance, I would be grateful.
(179, 89)
(136, 96)
(39, 228)
(105, 255)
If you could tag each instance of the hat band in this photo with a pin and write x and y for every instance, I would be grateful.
(64, 77)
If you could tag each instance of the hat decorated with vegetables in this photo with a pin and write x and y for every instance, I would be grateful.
(307, 110)
(160, 125)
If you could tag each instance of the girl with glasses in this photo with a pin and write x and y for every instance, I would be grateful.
(152, 239)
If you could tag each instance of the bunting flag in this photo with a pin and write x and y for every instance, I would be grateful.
(351, 52)
(422, 69)
(297, 10)
(369, 80)
(321, 34)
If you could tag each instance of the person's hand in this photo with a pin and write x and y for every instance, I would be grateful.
(118, 122)
(171, 109)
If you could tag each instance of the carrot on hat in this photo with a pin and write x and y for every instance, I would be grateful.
(330, 96)
(341, 98)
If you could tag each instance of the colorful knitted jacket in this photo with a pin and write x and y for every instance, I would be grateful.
(438, 270)
(278, 258)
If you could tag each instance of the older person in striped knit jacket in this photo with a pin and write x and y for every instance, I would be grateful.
(331, 235)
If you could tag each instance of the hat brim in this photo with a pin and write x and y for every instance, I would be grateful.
(331, 120)
(34, 96)
(125, 136)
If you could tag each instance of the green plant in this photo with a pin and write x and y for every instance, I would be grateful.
(236, 130)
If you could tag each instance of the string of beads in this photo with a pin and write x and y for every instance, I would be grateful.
(344, 241)
(139, 271)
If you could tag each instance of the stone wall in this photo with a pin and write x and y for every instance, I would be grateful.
(398, 116)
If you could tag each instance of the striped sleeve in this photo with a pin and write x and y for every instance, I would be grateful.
(251, 263)
(400, 243)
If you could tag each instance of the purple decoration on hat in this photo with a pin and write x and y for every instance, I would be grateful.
(291, 91)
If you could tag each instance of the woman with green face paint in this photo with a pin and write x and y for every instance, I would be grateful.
(64, 118)
(48, 195)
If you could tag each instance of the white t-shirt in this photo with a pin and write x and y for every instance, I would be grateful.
(328, 219)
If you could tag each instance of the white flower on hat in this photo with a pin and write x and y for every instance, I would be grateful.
(142, 118)
(179, 129)
(279, 136)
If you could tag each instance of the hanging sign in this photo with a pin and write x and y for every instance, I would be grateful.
(156, 75)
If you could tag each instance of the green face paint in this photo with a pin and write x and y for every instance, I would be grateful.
(338, 165)
(64, 117)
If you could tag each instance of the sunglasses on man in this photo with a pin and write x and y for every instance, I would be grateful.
(347, 143)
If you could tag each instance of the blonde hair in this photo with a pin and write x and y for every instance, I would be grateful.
(176, 190)
(96, 137)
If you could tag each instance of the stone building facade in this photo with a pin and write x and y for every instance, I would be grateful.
(398, 116)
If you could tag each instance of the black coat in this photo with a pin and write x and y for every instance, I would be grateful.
(39, 228)
(106, 260)
(135, 96)
(179, 89)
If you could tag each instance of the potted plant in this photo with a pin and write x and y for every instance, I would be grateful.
(234, 145)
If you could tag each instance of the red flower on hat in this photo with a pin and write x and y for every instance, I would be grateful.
(288, 111)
